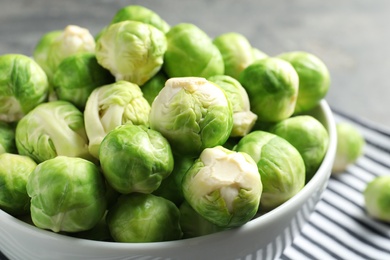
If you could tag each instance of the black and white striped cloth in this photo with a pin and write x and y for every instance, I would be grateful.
(340, 228)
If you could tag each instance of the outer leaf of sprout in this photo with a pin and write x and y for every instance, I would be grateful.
(131, 51)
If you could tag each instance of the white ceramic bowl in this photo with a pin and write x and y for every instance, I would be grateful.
(262, 238)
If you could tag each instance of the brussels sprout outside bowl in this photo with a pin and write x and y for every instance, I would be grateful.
(263, 237)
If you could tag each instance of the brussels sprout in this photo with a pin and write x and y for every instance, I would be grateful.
(110, 106)
(56, 45)
(153, 86)
(377, 197)
(243, 118)
(258, 54)
(131, 51)
(280, 165)
(350, 146)
(135, 159)
(272, 87)
(192, 113)
(52, 129)
(171, 187)
(236, 52)
(314, 79)
(7, 138)
(73, 39)
(191, 53)
(77, 76)
(14, 172)
(308, 136)
(67, 194)
(223, 186)
(193, 224)
(144, 218)
(23, 85)
(141, 14)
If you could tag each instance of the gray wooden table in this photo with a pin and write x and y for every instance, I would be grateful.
(352, 36)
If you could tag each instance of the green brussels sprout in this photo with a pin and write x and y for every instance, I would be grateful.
(77, 76)
(314, 79)
(258, 54)
(171, 187)
(131, 51)
(110, 106)
(7, 138)
(191, 53)
(243, 118)
(223, 186)
(236, 52)
(67, 194)
(308, 136)
(73, 39)
(23, 85)
(14, 172)
(192, 113)
(279, 163)
(377, 197)
(193, 224)
(153, 86)
(141, 217)
(272, 87)
(52, 129)
(135, 159)
(140, 14)
(56, 45)
(350, 146)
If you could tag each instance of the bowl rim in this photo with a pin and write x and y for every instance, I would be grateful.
(323, 173)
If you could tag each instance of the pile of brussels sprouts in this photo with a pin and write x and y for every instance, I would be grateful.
(150, 132)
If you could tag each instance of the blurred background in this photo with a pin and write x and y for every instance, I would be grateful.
(352, 37)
